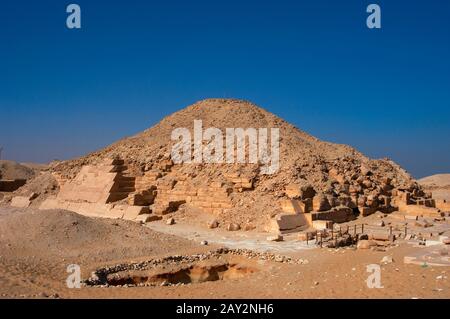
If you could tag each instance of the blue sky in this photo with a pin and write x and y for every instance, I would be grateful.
(64, 92)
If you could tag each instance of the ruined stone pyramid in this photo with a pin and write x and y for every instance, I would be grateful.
(323, 180)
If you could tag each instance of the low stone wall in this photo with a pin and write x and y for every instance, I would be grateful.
(96, 209)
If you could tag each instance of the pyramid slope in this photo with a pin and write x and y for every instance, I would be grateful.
(296, 147)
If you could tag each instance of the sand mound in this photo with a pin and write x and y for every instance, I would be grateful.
(438, 185)
(63, 233)
(42, 185)
(438, 180)
(13, 170)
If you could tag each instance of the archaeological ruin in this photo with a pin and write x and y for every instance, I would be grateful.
(318, 182)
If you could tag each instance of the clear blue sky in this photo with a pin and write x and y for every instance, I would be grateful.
(64, 92)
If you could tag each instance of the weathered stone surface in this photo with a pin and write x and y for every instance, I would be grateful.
(307, 235)
(321, 203)
(387, 260)
(131, 212)
(285, 222)
(275, 238)
(423, 223)
(338, 214)
(322, 224)
(365, 244)
(295, 206)
(213, 224)
(233, 227)
(382, 237)
(20, 201)
(146, 218)
(98, 184)
(418, 210)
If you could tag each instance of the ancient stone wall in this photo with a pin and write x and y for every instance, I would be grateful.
(103, 183)
(212, 198)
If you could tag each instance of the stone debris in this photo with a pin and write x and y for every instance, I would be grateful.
(423, 223)
(20, 201)
(387, 260)
(213, 224)
(147, 218)
(170, 221)
(233, 227)
(275, 238)
(366, 244)
(99, 276)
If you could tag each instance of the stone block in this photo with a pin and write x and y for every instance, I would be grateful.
(147, 218)
(275, 238)
(307, 235)
(291, 206)
(284, 222)
(132, 212)
(418, 210)
(20, 201)
(322, 224)
(320, 203)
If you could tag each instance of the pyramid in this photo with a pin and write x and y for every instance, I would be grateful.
(315, 180)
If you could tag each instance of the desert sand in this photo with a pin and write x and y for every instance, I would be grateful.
(38, 246)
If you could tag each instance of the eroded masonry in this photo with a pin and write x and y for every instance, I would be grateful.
(108, 190)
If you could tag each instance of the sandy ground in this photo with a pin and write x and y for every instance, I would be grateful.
(37, 246)
(438, 185)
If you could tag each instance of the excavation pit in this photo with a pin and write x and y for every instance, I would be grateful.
(192, 274)
(220, 264)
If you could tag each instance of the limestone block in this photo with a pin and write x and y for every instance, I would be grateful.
(292, 206)
(321, 203)
(283, 222)
(293, 191)
(20, 201)
(338, 214)
(366, 211)
(146, 218)
(307, 235)
(132, 212)
(117, 211)
(419, 210)
(288, 206)
(275, 238)
(296, 191)
(322, 224)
